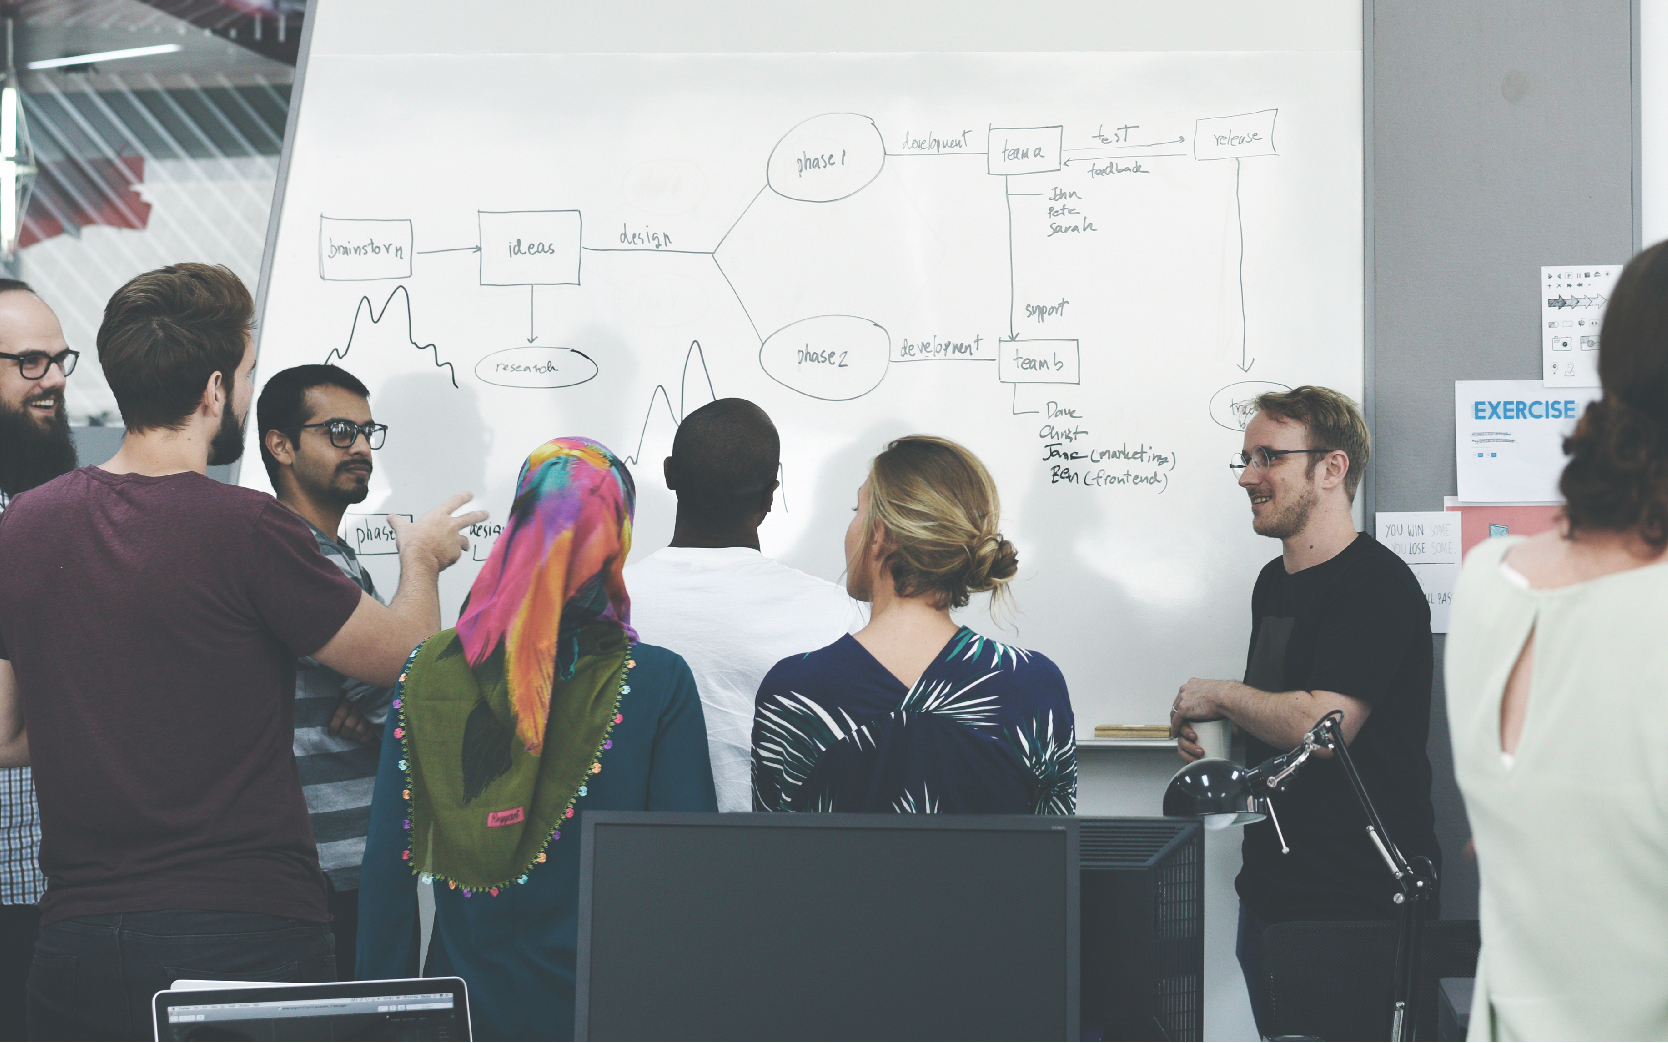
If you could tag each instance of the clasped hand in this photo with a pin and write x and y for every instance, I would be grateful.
(1197, 700)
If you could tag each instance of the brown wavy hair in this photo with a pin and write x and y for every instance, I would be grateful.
(1617, 475)
(1330, 420)
(940, 511)
(166, 333)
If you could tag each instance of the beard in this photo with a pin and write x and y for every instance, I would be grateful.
(227, 446)
(355, 491)
(1292, 519)
(30, 454)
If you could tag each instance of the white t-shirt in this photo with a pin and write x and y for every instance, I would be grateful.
(733, 613)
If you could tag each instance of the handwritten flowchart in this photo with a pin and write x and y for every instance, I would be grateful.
(1084, 267)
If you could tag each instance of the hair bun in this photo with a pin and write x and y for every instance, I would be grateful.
(994, 563)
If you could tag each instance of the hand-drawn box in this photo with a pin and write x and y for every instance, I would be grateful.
(1235, 137)
(1024, 150)
(1037, 362)
(370, 534)
(358, 249)
(530, 247)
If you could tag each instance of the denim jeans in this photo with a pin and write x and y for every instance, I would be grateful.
(1249, 949)
(93, 976)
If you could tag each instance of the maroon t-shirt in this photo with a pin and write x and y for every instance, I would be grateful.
(153, 624)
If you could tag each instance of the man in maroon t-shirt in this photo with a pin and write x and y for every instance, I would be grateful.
(148, 637)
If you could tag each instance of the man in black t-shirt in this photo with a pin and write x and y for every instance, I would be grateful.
(1338, 623)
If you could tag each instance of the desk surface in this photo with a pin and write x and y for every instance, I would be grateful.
(1127, 744)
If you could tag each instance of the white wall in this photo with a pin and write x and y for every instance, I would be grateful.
(1653, 119)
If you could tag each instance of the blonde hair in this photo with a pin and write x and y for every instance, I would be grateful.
(940, 510)
(1330, 420)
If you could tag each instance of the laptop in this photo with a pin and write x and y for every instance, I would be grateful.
(403, 1008)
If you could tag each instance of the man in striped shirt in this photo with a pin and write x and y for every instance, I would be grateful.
(316, 441)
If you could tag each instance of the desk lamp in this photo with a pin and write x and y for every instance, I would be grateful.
(1225, 794)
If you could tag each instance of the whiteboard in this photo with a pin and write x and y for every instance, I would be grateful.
(1082, 265)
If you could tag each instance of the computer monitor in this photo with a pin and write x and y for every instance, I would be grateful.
(756, 926)
(404, 1008)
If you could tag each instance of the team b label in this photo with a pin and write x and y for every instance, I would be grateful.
(354, 250)
(1037, 362)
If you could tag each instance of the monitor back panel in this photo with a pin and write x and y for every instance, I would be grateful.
(828, 927)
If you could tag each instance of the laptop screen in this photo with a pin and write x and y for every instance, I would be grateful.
(413, 1009)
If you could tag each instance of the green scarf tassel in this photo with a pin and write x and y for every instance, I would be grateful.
(481, 809)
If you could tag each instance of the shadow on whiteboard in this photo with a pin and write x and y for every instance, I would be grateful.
(437, 440)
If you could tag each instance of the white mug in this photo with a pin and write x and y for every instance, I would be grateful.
(1214, 736)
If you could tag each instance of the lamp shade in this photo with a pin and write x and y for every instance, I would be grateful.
(1213, 787)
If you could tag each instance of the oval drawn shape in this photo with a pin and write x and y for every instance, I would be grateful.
(826, 158)
(1235, 405)
(536, 367)
(832, 357)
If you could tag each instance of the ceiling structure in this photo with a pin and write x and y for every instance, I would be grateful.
(177, 150)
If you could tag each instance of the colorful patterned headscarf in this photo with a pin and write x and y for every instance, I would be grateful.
(542, 651)
(556, 567)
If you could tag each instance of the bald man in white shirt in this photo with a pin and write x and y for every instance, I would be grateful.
(713, 598)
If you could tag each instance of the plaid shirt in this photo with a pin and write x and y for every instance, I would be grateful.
(21, 880)
(337, 773)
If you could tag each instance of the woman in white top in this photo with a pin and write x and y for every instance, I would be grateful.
(1557, 677)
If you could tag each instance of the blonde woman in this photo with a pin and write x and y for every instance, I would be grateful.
(914, 713)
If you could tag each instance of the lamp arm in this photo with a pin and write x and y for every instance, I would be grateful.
(1333, 737)
(1416, 881)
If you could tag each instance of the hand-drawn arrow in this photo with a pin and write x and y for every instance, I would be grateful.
(531, 334)
(452, 250)
(1008, 198)
(1239, 219)
(1135, 155)
(1150, 144)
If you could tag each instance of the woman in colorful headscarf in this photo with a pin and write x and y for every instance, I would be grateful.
(538, 707)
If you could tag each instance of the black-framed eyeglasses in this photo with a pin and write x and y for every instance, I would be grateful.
(1261, 458)
(33, 364)
(343, 433)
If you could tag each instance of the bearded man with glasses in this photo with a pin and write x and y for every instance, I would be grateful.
(1338, 622)
(317, 436)
(35, 447)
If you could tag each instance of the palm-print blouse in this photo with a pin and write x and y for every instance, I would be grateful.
(987, 729)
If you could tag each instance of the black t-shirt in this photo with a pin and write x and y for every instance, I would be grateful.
(1358, 625)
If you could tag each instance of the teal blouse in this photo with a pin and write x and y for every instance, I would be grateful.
(517, 950)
